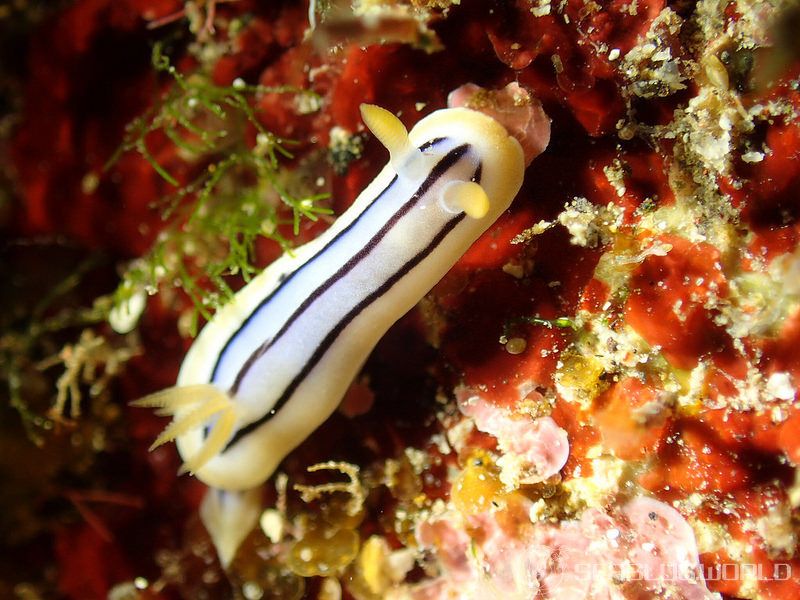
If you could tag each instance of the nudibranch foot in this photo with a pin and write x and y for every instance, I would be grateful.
(192, 407)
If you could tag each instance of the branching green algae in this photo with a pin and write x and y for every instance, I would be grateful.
(239, 195)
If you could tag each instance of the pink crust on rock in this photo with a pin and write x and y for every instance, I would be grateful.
(520, 113)
(645, 549)
(452, 547)
(533, 449)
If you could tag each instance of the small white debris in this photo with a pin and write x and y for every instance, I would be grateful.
(589, 225)
(753, 157)
(307, 104)
(516, 270)
(125, 315)
(252, 591)
(541, 9)
(537, 510)
(271, 523)
(779, 385)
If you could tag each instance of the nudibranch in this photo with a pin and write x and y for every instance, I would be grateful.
(274, 363)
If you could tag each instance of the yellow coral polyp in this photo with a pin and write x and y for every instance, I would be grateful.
(582, 374)
(478, 487)
(323, 553)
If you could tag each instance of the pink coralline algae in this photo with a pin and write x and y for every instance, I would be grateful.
(515, 108)
(643, 549)
(533, 449)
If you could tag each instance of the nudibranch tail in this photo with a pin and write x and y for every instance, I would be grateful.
(192, 407)
(229, 517)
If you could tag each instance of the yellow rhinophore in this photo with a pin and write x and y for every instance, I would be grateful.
(466, 196)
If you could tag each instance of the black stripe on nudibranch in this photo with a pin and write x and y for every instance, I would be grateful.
(332, 335)
(441, 167)
(329, 339)
(286, 278)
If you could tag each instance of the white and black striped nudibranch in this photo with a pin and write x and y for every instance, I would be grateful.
(274, 363)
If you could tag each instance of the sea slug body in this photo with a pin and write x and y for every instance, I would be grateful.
(274, 363)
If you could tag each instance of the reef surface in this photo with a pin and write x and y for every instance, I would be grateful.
(598, 401)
